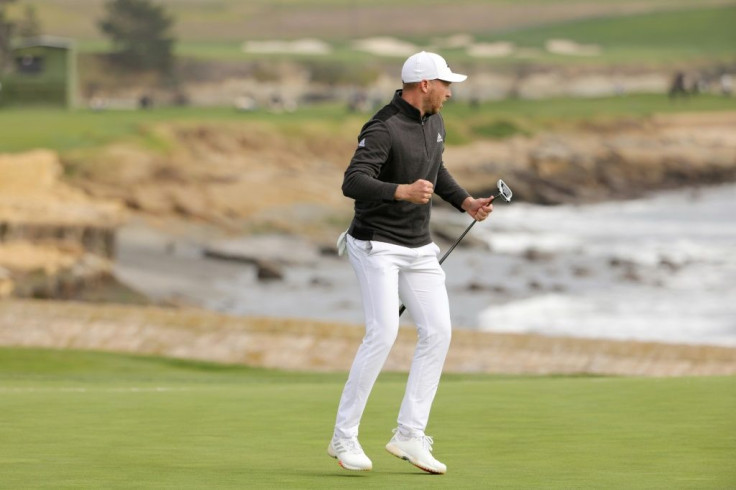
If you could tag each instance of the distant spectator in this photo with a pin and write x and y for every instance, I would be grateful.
(678, 86)
(726, 84)
(245, 103)
(701, 85)
(97, 104)
(276, 103)
(280, 104)
(358, 102)
(180, 99)
(145, 102)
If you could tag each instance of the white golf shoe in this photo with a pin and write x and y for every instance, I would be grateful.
(349, 454)
(417, 450)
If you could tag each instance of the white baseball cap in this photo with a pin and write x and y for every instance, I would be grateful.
(428, 66)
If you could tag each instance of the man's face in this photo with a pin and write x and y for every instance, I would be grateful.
(439, 91)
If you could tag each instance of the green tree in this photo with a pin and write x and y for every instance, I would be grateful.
(140, 33)
(29, 25)
(7, 28)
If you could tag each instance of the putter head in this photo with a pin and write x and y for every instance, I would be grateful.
(504, 191)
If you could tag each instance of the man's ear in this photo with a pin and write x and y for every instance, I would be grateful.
(424, 85)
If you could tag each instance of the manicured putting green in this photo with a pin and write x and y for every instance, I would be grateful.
(91, 420)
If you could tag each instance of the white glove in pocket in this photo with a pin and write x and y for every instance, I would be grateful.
(342, 243)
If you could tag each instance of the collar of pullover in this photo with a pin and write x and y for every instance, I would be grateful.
(407, 109)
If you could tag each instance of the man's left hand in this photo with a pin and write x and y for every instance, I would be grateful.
(478, 209)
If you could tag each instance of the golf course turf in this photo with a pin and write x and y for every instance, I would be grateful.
(75, 419)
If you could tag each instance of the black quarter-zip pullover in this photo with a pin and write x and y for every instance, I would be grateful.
(398, 146)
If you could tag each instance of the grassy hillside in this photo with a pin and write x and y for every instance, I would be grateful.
(652, 31)
(666, 36)
(89, 420)
(237, 20)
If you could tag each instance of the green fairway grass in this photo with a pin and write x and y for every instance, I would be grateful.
(61, 130)
(57, 129)
(93, 420)
(654, 34)
(656, 38)
(660, 37)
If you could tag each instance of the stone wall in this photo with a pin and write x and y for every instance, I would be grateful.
(318, 346)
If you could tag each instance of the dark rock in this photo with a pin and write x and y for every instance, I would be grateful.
(669, 264)
(269, 271)
(320, 281)
(631, 274)
(534, 255)
(327, 250)
(581, 271)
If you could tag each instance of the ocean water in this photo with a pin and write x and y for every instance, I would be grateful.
(660, 268)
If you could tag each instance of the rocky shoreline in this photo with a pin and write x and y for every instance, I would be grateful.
(58, 236)
(55, 241)
(228, 189)
(605, 161)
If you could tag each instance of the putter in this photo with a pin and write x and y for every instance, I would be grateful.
(504, 192)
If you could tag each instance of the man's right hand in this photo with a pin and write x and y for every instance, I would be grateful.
(420, 192)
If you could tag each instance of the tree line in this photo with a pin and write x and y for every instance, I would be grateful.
(140, 32)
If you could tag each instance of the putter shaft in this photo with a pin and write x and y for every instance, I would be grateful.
(501, 186)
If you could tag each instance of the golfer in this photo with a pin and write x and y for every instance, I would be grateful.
(395, 170)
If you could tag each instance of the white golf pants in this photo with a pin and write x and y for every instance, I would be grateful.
(388, 274)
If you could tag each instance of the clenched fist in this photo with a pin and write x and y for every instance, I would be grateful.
(420, 192)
